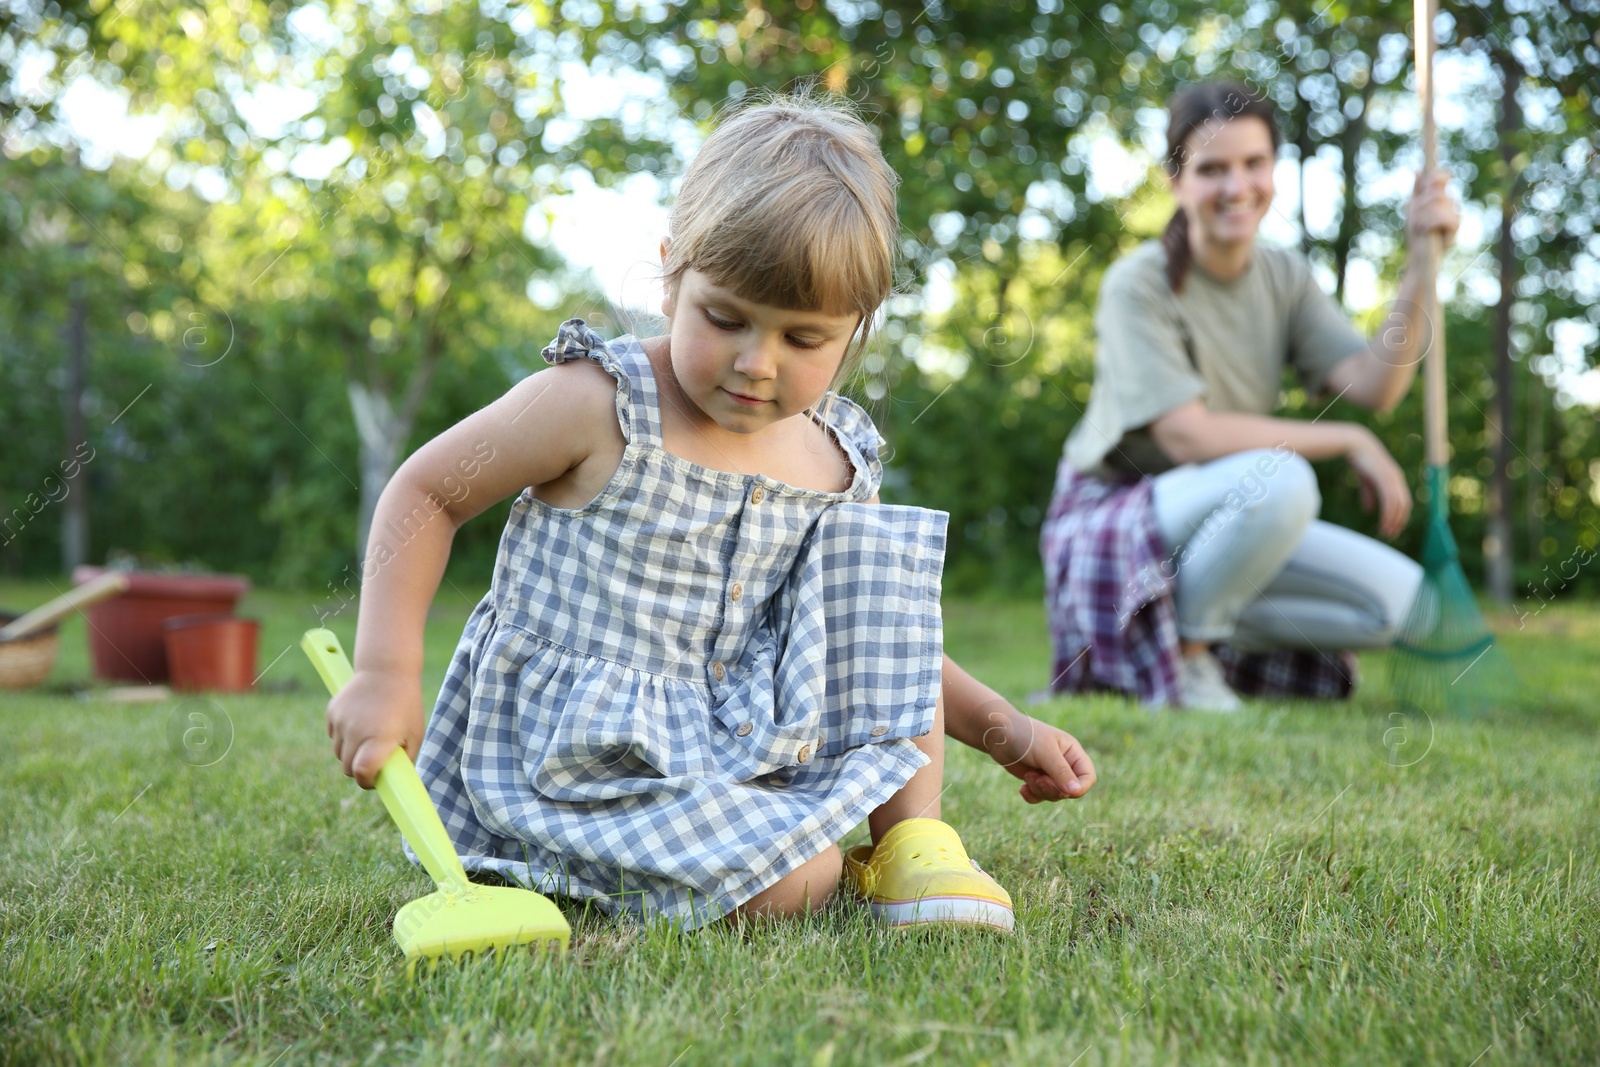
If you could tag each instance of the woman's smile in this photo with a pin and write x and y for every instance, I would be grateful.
(1225, 188)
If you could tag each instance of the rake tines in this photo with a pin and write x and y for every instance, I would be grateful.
(1446, 658)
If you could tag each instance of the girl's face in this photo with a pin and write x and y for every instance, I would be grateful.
(745, 365)
(1225, 185)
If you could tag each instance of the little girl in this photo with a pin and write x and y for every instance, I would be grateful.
(707, 652)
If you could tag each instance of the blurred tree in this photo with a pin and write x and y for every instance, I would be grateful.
(383, 224)
(1535, 63)
(1005, 122)
(345, 192)
(370, 174)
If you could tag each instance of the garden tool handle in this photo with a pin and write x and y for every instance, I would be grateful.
(1436, 434)
(102, 587)
(398, 784)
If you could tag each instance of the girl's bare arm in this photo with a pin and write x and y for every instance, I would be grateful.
(1050, 762)
(542, 428)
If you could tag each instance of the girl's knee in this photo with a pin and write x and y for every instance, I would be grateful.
(802, 890)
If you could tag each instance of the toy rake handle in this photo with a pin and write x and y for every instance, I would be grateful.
(1436, 436)
(398, 784)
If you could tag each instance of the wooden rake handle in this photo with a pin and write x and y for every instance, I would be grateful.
(104, 587)
(1435, 396)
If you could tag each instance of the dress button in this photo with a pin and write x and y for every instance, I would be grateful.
(743, 730)
(879, 731)
(738, 590)
(758, 495)
(719, 671)
(805, 753)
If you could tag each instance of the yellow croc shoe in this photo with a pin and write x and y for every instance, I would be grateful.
(919, 873)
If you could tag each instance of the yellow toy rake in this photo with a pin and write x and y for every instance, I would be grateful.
(460, 918)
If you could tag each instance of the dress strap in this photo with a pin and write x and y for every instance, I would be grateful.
(855, 430)
(638, 410)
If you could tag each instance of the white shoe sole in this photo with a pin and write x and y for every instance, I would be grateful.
(970, 910)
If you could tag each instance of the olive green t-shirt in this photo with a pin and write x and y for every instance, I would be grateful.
(1241, 333)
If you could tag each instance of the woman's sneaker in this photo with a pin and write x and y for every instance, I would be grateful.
(920, 873)
(1202, 686)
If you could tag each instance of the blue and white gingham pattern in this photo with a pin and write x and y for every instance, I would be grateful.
(680, 692)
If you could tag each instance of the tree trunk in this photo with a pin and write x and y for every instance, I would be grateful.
(1498, 420)
(1303, 148)
(1533, 486)
(75, 505)
(1355, 131)
(382, 436)
(383, 430)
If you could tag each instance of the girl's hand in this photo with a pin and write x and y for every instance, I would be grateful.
(1432, 209)
(1382, 482)
(376, 712)
(1050, 762)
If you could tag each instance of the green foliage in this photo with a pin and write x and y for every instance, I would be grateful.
(979, 433)
(989, 114)
(238, 323)
(403, 266)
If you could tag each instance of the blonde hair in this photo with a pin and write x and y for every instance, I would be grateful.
(790, 203)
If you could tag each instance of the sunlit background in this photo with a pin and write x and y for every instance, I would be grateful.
(385, 208)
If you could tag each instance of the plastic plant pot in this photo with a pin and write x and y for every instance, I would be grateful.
(211, 652)
(126, 640)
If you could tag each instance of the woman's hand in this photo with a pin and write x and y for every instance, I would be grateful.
(1050, 762)
(375, 713)
(1382, 482)
(1432, 209)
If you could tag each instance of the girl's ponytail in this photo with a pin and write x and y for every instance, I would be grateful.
(1199, 111)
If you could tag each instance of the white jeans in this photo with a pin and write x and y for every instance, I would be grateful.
(1257, 569)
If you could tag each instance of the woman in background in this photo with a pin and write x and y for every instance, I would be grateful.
(1184, 530)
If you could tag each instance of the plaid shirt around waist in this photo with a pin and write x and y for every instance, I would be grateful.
(1108, 594)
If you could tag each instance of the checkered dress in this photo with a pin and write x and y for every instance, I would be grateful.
(678, 693)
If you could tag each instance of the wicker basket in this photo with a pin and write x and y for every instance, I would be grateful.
(26, 662)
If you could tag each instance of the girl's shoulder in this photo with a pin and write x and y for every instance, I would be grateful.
(583, 371)
(618, 372)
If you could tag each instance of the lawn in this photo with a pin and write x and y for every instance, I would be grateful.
(1306, 884)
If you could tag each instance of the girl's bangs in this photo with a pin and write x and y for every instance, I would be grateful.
(809, 257)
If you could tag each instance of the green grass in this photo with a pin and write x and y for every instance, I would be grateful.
(1305, 884)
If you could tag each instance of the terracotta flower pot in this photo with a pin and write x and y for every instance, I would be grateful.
(126, 640)
(211, 652)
